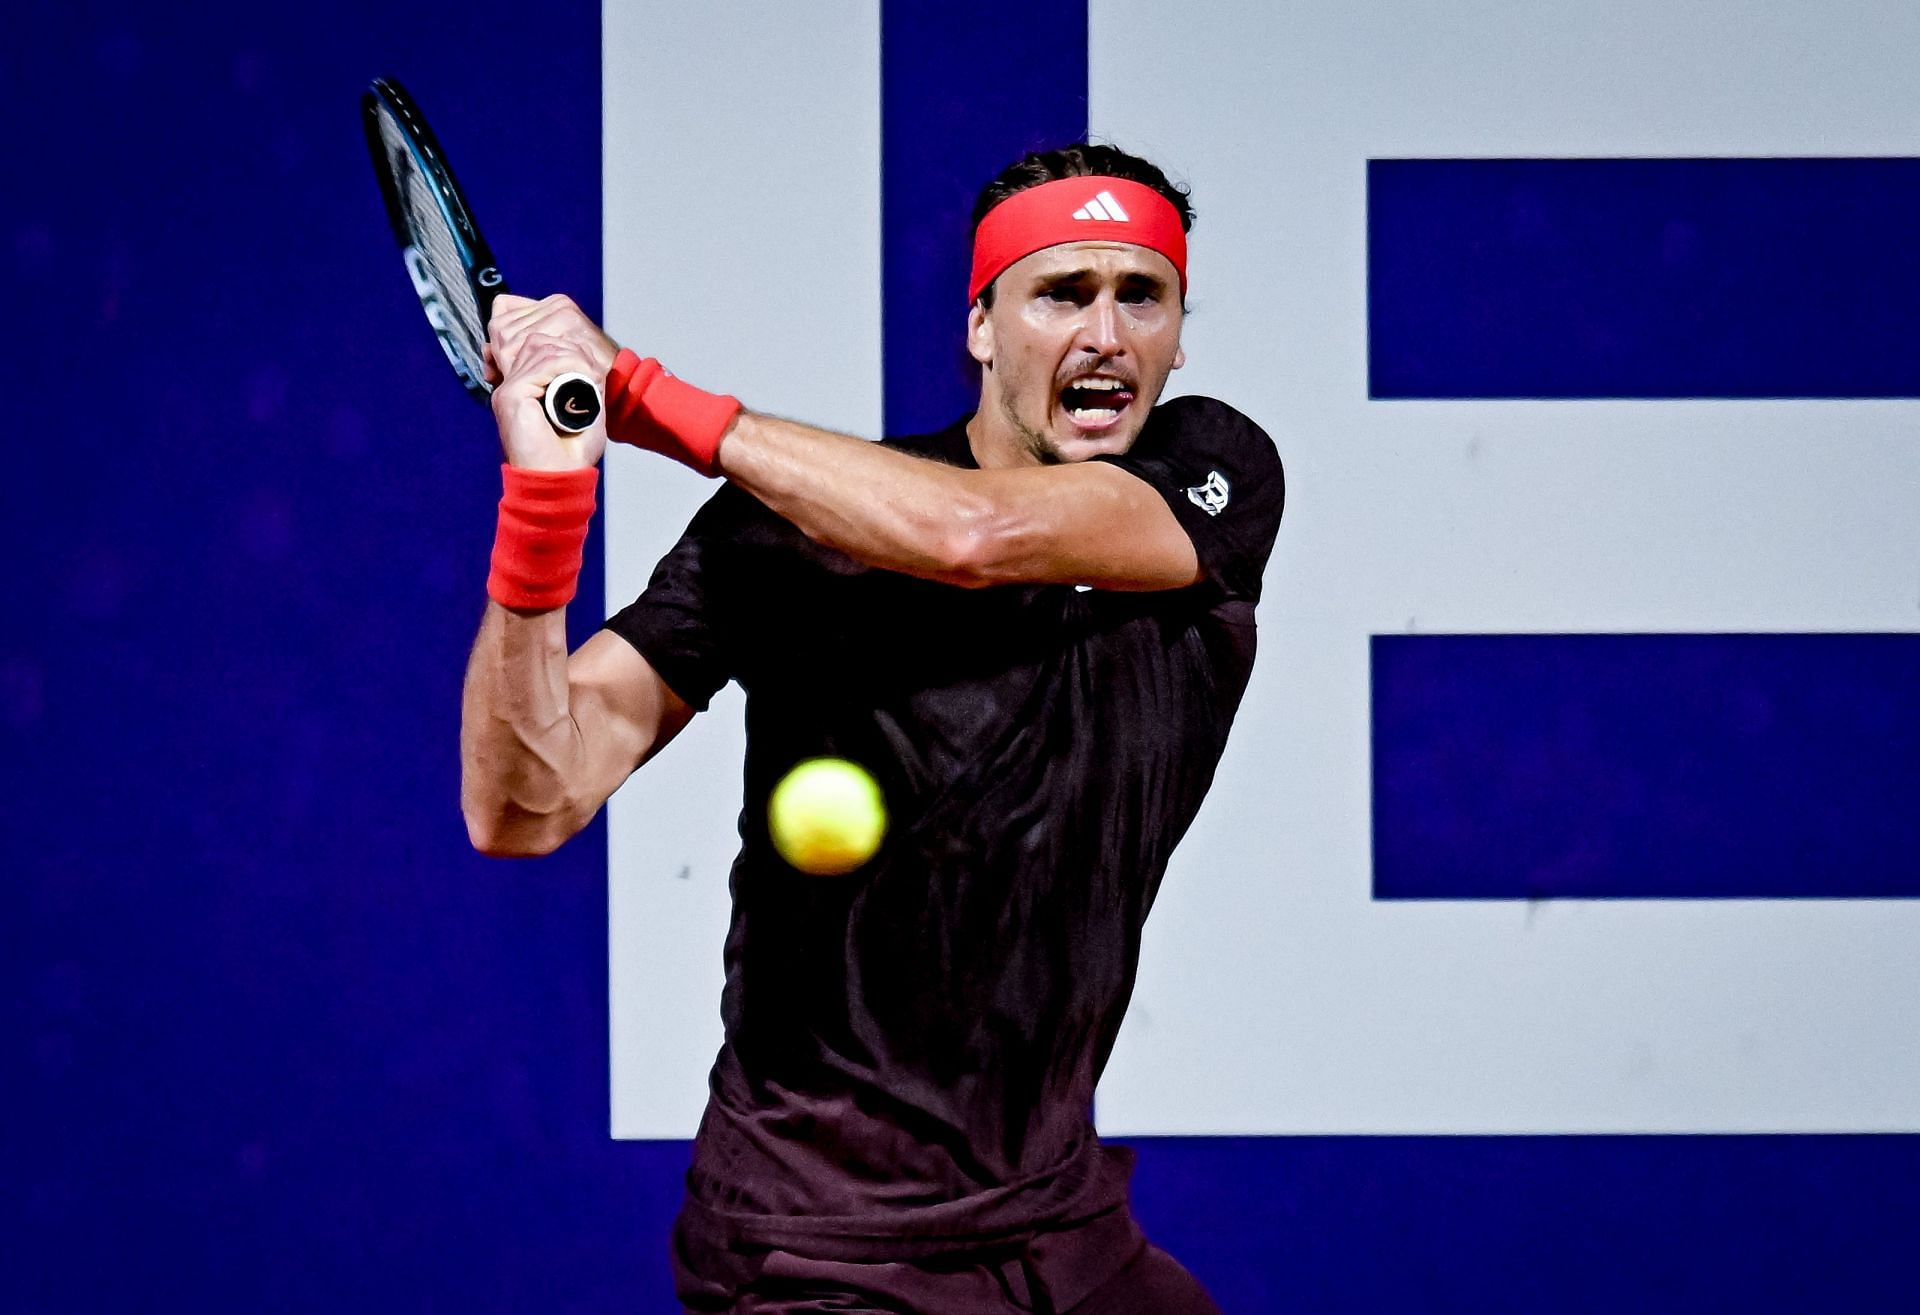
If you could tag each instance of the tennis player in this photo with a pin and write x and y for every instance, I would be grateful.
(1034, 628)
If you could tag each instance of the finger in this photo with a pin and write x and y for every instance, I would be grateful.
(512, 336)
(507, 308)
(558, 314)
(538, 350)
(555, 317)
(521, 403)
(510, 332)
(539, 346)
(542, 360)
(510, 320)
(563, 318)
(515, 313)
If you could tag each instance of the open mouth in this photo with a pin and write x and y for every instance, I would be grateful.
(1096, 401)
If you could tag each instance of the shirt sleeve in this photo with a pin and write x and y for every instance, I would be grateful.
(683, 623)
(1221, 476)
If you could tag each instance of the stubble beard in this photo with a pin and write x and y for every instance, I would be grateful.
(1040, 447)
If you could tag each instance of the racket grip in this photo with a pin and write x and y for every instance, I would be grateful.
(572, 403)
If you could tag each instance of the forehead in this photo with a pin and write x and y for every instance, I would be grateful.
(1116, 260)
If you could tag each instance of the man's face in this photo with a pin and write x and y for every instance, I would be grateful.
(1075, 350)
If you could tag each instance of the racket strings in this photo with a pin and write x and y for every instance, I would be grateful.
(433, 238)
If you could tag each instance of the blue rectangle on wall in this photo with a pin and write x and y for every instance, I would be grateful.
(1643, 278)
(1764, 766)
(948, 127)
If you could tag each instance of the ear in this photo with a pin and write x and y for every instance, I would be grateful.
(1179, 357)
(980, 335)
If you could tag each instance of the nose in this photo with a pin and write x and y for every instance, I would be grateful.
(1100, 329)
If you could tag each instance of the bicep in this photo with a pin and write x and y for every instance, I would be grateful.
(1090, 523)
(624, 710)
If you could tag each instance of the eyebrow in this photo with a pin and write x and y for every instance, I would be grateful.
(1066, 277)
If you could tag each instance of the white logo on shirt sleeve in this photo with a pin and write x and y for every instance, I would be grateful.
(1211, 497)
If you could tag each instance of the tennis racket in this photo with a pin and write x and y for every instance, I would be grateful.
(449, 263)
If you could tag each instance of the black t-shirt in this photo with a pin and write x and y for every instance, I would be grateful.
(913, 1048)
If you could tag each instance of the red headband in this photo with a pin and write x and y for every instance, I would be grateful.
(1075, 210)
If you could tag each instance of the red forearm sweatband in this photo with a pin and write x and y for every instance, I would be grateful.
(649, 408)
(542, 530)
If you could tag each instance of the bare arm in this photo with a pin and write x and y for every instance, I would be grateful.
(545, 739)
(1087, 523)
(1082, 523)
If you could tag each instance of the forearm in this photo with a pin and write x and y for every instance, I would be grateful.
(1083, 522)
(1086, 523)
(520, 748)
(878, 506)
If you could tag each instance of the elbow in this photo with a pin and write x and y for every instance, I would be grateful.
(520, 796)
(976, 545)
(507, 832)
(507, 842)
(965, 562)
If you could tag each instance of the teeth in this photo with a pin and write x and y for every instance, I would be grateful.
(1098, 414)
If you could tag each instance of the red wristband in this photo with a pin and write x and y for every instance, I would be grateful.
(542, 531)
(649, 408)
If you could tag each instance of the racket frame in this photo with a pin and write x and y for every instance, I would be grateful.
(476, 257)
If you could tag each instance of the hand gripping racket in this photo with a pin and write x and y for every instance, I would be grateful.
(450, 264)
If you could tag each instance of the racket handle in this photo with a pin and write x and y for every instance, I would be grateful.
(572, 402)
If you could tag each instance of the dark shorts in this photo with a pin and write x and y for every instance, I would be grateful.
(1133, 1278)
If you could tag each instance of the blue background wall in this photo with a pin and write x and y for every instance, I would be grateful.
(287, 1042)
(281, 1040)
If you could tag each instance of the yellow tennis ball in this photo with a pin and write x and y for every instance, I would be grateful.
(826, 816)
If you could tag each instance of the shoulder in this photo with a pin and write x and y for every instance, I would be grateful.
(1214, 451)
(1221, 476)
(1208, 422)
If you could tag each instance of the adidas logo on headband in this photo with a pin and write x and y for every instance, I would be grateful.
(1103, 206)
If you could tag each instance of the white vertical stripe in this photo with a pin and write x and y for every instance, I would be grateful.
(707, 111)
(1114, 209)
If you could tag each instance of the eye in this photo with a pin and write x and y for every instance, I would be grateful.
(1066, 294)
(1139, 295)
